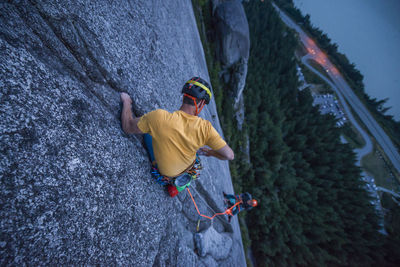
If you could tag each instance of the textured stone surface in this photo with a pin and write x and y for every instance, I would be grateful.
(208, 261)
(233, 44)
(233, 32)
(75, 190)
(213, 243)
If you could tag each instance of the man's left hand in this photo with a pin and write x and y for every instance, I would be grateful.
(125, 98)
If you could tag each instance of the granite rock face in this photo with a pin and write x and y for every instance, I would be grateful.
(233, 43)
(76, 190)
(213, 243)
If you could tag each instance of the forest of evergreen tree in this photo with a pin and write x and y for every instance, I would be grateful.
(314, 208)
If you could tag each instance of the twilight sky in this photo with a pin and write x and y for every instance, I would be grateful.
(368, 32)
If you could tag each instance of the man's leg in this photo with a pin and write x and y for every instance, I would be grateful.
(148, 143)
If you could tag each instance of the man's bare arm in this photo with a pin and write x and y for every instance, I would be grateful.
(225, 153)
(129, 122)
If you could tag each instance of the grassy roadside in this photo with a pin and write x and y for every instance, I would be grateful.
(352, 136)
(312, 78)
(387, 162)
(389, 165)
(375, 164)
(319, 68)
(202, 12)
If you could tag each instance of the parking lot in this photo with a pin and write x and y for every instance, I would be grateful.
(329, 104)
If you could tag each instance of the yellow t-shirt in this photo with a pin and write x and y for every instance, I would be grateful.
(176, 138)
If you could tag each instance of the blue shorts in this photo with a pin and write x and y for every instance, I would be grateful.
(148, 143)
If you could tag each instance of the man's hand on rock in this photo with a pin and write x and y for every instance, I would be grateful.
(125, 98)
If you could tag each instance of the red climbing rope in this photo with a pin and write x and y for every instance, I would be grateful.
(228, 211)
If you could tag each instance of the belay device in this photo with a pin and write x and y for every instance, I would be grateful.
(180, 183)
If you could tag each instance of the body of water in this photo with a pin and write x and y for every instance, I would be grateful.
(368, 33)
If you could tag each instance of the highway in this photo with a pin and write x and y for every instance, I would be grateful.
(344, 91)
(367, 148)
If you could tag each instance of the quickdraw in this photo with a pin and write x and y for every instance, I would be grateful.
(194, 171)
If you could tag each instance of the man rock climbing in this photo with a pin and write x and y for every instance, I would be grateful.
(173, 139)
(239, 203)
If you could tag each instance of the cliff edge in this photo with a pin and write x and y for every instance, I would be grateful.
(74, 188)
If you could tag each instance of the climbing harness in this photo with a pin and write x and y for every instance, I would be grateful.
(160, 179)
(181, 181)
(226, 212)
